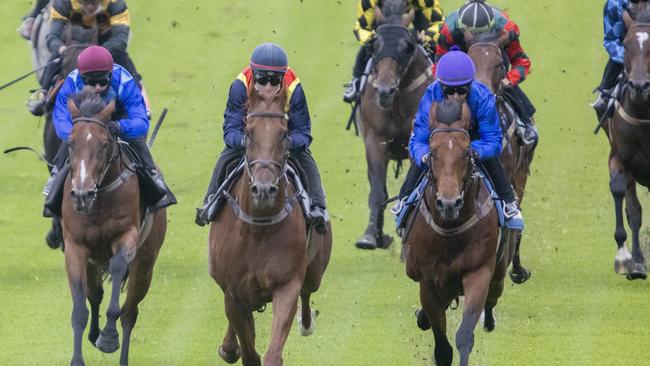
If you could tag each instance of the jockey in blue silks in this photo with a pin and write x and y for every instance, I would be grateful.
(113, 83)
(455, 81)
(615, 31)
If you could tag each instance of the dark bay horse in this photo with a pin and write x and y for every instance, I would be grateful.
(628, 132)
(452, 247)
(259, 248)
(400, 73)
(104, 229)
(486, 50)
(77, 38)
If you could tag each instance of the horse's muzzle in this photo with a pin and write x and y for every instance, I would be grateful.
(264, 193)
(449, 208)
(83, 200)
(640, 87)
(386, 95)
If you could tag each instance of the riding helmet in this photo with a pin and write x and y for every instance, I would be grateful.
(476, 16)
(95, 58)
(455, 68)
(269, 57)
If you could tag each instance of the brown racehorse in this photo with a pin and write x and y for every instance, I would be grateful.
(400, 74)
(486, 50)
(104, 230)
(77, 38)
(452, 246)
(629, 137)
(259, 248)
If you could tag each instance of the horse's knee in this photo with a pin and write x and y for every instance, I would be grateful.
(618, 185)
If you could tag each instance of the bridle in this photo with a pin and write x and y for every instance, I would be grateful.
(268, 164)
(403, 66)
(471, 166)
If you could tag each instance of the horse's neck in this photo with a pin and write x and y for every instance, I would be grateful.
(416, 69)
(242, 193)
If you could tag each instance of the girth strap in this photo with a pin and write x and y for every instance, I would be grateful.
(483, 210)
(287, 208)
(627, 118)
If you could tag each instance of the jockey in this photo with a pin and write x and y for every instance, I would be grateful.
(268, 64)
(427, 21)
(112, 20)
(477, 16)
(455, 81)
(615, 31)
(25, 29)
(113, 83)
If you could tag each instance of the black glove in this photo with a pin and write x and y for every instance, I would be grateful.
(474, 154)
(114, 128)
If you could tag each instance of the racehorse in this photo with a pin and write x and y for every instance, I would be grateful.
(486, 50)
(259, 247)
(452, 246)
(400, 73)
(105, 228)
(629, 138)
(77, 38)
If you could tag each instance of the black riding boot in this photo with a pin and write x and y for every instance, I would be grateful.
(525, 110)
(351, 92)
(218, 176)
(503, 188)
(159, 195)
(610, 75)
(318, 212)
(410, 183)
(54, 195)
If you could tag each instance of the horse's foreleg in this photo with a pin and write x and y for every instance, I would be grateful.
(618, 185)
(434, 309)
(285, 302)
(475, 288)
(240, 317)
(76, 261)
(95, 296)
(229, 350)
(377, 164)
(634, 215)
(108, 340)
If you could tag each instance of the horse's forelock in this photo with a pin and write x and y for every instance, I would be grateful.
(90, 103)
(491, 36)
(254, 99)
(393, 8)
(449, 112)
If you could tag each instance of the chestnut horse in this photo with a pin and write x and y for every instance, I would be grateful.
(400, 74)
(452, 247)
(104, 228)
(259, 247)
(629, 138)
(486, 50)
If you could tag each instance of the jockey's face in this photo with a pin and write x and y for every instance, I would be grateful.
(455, 93)
(90, 7)
(267, 82)
(98, 81)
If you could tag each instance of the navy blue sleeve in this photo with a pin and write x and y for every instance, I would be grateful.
(61, 115)
(299, 121)
(233, 123)
(136, 124)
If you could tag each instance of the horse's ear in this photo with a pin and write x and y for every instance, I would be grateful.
(627, 19)
(379, 15)
(74, 110)
(408, 18)
(468, 37)
(105, 114)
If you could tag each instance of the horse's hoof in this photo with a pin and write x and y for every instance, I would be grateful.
(422, 320)
(92, 337)
(305, 332)
(108, 343)
(639, 272)
(520, 276)
(384, 241)
(367, 242)
(623, 262)
(230, 357)
(489, 322)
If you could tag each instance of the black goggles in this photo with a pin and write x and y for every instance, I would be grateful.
(93, 79)
(272, 77)
(457, 89)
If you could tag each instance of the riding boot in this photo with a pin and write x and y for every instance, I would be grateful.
(410, 183)
(610, 75)
(351, 92)
(54, 237)
(503, 188)
(203, 214)
(318, 215)
(161, 195)
(53, 189)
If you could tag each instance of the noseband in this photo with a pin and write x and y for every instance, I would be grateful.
(268, 164)
(470, 167)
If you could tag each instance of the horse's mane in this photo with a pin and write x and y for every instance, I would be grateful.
(393, 8)
(254, 97)
(89, 103)
(449, 112)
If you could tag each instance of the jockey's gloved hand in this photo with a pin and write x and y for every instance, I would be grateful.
(114, 128)
(474, 154)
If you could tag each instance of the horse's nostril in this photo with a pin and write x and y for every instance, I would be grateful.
(73, 193)
(254, 190)
(273, 190)
(459, 202)
(439, 204)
